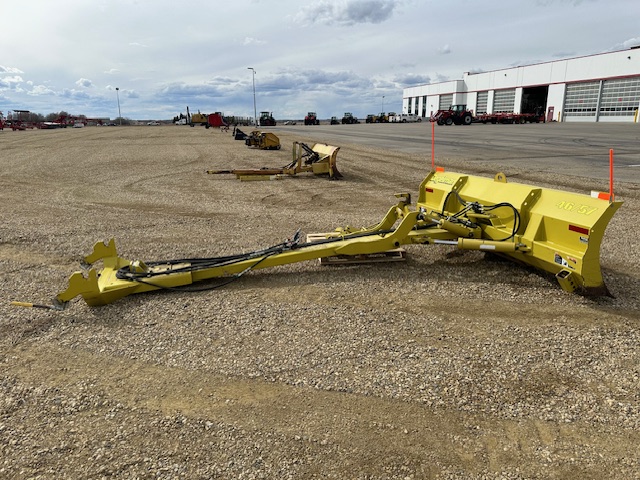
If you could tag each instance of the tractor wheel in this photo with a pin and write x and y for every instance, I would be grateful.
(466, 120)
(448, 121)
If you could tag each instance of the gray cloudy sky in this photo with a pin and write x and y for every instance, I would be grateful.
(328, 56)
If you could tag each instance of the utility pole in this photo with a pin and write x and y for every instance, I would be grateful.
(118, 97)
(255, 111)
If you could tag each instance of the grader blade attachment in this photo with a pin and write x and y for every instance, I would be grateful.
(554, 231)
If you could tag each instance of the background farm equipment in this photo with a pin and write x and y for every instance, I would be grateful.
(216, 120)
(460, 115)
(382, 117)
(239, 134)
(263, 140)
(555, 231)
(197, 119)
(20, 120)
(349, 119)
(319, 160)
(206, 120)
(457, 114)
(509, 117)
(267, 120)
(311, 119)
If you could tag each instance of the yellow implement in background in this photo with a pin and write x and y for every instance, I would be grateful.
(319, 160)
(554, 231)
(263, 140)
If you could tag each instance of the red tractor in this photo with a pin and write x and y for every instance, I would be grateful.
(457, 114)
(311, 119)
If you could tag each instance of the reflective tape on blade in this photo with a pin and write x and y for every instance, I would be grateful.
(582, 230)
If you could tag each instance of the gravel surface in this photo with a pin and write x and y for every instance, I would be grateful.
(449, 365)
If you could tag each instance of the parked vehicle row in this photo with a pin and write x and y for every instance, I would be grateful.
(460, 115)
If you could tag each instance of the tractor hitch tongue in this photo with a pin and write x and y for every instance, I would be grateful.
(554, 231)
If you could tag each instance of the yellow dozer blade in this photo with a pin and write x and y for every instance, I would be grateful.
(555, 231)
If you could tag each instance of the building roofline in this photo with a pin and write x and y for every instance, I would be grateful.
(554, 61)
(528, 65)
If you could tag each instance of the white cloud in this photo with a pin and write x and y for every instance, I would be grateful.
(75, 94)
(4, 69)
(409, 79)
(41, 90)
(10, 82)
(348, 12)
(84, 82)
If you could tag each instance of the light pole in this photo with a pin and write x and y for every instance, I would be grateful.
(118, 97)
(255, 111)
(382, 103)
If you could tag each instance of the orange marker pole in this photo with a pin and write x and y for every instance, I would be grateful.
(433, 146)
(611, 175)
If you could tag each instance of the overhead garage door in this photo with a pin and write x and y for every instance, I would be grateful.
(445, 101)
(620, 97)
(504, 100)
(581, 99)
(481, 103)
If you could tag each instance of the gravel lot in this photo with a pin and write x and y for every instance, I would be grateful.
(449, 365)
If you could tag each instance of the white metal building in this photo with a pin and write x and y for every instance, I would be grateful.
(595, 88)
